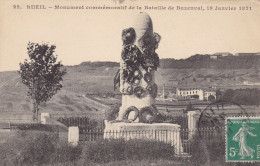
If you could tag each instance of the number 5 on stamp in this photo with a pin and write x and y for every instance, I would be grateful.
(243, 139)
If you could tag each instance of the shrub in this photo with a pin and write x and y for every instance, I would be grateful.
(112, 113)
(198, 151)
(177, 119)
(83, 122)
(64, 152)
(34, 126)
(144, 149)
(36, 148)
(242, 96)
(104, 151)
(118, 149)
(208, 150)
(27, 148)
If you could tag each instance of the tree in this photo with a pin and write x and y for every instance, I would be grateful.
(218, 94)
(228, 95)
(211, 98)
(42, 74)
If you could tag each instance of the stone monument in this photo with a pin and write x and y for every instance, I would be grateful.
(136, 81)
(136, 77)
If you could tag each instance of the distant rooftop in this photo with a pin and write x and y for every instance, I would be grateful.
(208, 89)
(247, 54)
(223, 53)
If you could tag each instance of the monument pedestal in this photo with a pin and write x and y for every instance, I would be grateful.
(165, 132)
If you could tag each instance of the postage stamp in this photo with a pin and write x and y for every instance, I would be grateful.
(242, 139)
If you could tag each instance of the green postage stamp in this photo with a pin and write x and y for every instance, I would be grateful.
(243, 139)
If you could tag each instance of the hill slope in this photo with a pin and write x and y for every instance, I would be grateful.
(207, 62)
(98, 78)
(15, 105)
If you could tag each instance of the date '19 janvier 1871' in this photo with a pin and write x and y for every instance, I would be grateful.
(229, 8)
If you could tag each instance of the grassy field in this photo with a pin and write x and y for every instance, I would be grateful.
(79, 81)
(19, 147)
(15, 105)
(89, 79)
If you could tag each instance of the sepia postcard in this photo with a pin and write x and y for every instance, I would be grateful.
(129, 82)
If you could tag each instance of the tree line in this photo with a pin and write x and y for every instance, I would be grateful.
(241, 96)
(200, 61)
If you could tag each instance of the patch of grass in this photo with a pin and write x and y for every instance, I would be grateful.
(36, 148)
(69, 108)
(66, 100)
(109, 150)
(145, 162)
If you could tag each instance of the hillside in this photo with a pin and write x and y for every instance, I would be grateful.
(88, 78)
(197, 61)
(15, 106)
(212, 62)
(97, 77)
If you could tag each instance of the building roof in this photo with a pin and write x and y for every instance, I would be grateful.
(204, 89)
(184, 88)
(223, 53)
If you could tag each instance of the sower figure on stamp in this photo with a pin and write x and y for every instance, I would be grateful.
(241, 137)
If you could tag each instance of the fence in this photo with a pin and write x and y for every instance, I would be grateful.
(204, 133)
(186, 141)
(180, 119)
(91, 124)
(82, 122)
(76, 115)
(34, 127)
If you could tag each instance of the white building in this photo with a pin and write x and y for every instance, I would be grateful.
(213, 57)
(222, 54)
(187, 92)
(203, 94)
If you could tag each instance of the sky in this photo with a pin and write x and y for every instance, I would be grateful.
(95, 35)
